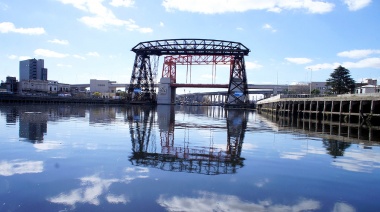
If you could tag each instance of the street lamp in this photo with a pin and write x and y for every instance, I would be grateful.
(311, 76)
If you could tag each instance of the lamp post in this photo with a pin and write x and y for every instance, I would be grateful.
(311, 77)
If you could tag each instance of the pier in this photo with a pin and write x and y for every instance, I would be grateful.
(362, 110)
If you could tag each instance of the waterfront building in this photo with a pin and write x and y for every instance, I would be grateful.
(321, 86)
(104, 87)
(52, 86)
(367, 86)
(34, 86)
(33, 69)
(10, 85)
(43, 86)
(63, 88)
(367, 89)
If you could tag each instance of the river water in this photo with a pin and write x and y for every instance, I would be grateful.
(176, 158)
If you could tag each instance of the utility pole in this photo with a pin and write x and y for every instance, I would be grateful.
(311, 77)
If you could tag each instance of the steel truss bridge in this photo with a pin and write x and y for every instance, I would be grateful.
(187, 52)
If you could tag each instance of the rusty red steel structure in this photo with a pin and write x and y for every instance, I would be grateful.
(169, 68)
(188, 52)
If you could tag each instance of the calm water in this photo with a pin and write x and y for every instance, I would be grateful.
(100, 158)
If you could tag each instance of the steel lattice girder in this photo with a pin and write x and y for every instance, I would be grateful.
(237, 89)
(199, 59)
(169, 69)
(142, 84)
(170, 62)
(190, 47)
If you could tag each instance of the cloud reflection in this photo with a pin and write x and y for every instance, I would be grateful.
(208, 201)
(113, 199)
(359, 161)
(93, 188)
(46, 146)
(9, 168)
(343, 207)
(293, 155)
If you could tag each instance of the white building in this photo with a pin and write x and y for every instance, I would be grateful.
(34, 86)
(43, 86)
(370, 86)
(104, 87)
(63, 88)
(52, 86)
(367, 89)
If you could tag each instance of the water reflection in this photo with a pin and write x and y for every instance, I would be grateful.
(334, 142)
(208, 201)
(326, 129)
(33, 126)
(184, 157)
(94, 189)
(144, 158)
(9, 168)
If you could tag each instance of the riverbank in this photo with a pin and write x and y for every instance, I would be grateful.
(9, 98)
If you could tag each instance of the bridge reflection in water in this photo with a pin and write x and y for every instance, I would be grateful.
(185, 156)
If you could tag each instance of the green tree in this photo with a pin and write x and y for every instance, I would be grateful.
(315, 92)
(340, 81)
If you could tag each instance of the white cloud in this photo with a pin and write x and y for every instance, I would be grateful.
(354, 5)
(356, 54)
(6, 27)
(328, 66)
(93, 54)
(145, 30)
(207, 201)
(162, 24)
(365, 63)
(102, 16)
(224, 6)
(24, 58)
(122, 3)
(269, 27)
(239, 28)
(79, 57)
(252, 65)
(9, 168)
(62, 42)
(64, 66)
(12, 57)
(49, 53)
(298, 60)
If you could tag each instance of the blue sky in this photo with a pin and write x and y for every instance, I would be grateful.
(290, 41)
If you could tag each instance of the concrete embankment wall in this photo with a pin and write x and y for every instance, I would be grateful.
(56, 100)
(354, 109)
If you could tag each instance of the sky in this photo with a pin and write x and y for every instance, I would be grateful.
(292, 41)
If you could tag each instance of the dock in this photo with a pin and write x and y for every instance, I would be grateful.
(350, 108)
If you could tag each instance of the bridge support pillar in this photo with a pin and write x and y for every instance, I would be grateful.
(166, 94)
